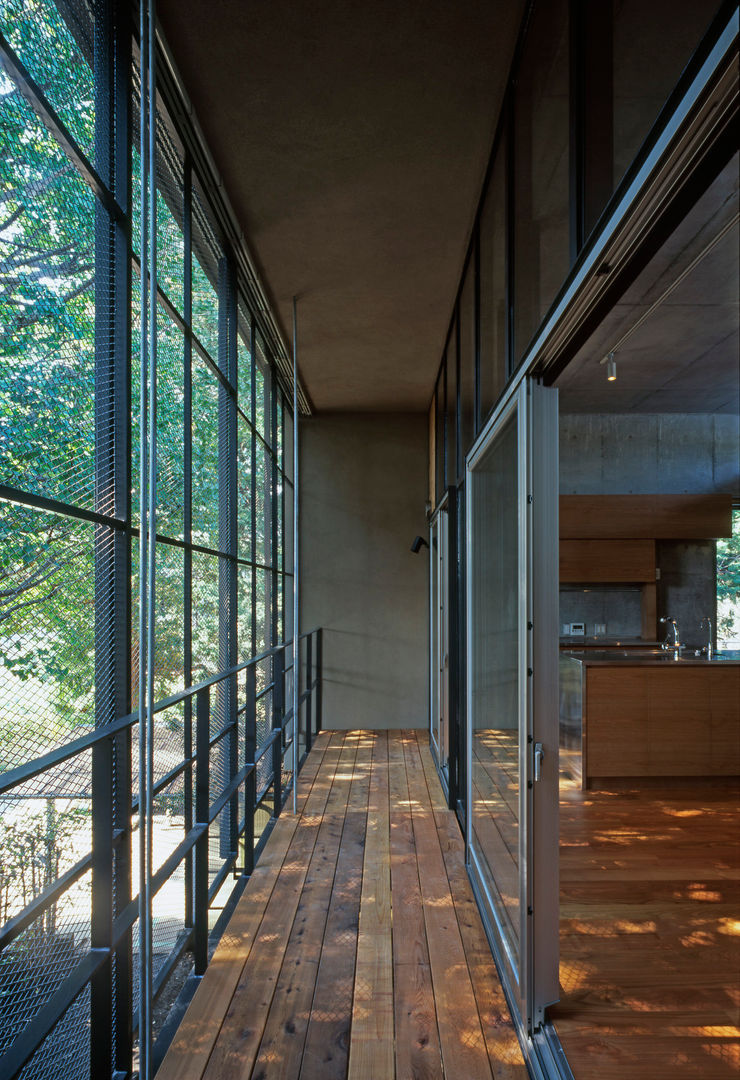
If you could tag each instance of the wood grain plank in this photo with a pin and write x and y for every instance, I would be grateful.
(241, 1032)
(463, 1045)
(418, 1053)
(371, 1047)
(326, 1049)
(437, 800)
(188, 1054)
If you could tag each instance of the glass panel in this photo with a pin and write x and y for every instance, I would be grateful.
(541, 200)
(453, 450)
(434, 631)
(647, 64)
(440, 435)
(467, 360)
(495, 676)
(493, 330)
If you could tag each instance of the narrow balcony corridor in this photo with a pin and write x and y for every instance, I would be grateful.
(356, 949)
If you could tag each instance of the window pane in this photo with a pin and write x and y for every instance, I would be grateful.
(467, 359)
(541, 198)
(495, 674)
(493, 322)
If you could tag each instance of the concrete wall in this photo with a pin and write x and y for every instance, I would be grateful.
(643, 454)
(647, 454)
(363, 483)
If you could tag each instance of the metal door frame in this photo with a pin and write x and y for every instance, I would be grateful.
(533, 983)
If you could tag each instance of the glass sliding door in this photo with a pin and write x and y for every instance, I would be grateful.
(439, 637)
(511, 482)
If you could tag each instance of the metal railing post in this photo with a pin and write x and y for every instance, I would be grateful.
(319, 676)
(278, 711)
(250, 749)
(309, 691)
(202, 802)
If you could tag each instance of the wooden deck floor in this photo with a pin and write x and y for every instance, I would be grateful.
(650, 931)
(356, 949)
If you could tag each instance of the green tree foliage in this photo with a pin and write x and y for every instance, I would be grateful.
(728, 583)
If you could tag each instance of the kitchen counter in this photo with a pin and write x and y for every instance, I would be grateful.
(596, 657)
(624, 714)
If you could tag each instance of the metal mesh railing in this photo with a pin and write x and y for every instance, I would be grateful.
(70, 323)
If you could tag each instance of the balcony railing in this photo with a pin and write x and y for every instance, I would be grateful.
(253, 781)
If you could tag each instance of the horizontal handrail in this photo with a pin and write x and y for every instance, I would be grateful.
(192, 843)
(22, 773)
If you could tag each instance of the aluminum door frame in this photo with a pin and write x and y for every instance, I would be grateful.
(533, 983)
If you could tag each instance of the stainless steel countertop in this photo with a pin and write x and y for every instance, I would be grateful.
(654, 657)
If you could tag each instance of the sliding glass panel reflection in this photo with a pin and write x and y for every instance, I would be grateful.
(494, 697)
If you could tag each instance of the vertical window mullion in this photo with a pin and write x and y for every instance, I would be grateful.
(188, 522)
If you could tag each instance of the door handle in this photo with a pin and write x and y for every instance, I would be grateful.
(539, 756)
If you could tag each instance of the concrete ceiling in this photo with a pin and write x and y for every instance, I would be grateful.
(685, 356)
(352, 140)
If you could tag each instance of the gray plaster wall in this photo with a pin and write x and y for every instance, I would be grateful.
(363, 482)
(648, 454)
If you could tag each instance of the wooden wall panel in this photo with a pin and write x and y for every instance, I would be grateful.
(660, 517)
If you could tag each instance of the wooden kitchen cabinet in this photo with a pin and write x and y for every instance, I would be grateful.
(661, 719)
(604, 561)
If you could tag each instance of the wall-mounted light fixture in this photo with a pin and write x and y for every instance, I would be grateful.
(416, 546)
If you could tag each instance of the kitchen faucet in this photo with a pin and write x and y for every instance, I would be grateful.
(708, 648)
(677, 646)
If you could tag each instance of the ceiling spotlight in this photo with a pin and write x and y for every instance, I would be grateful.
(611, 367)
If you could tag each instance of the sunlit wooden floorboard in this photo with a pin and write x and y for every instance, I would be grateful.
(356, 949)
(650, 930)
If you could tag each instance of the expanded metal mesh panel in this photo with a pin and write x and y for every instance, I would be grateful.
(244, 440)
(35, 964)
(168, 750)
(262, 505)
(55, 45)
(205, 435)
(47, 312)
(47, 662)
(205, 310)
(262, 411)
(244, 365)
(263, 607)
(65, 1052)
(168, 827)
(169, 622)
(244, 612)
(205, 621)
(41, 838)
(170, 422)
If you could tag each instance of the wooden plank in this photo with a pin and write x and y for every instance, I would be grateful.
(437, 800)
(282, 1044)
(371, 1049)
(499, 1032)
(188, 1055)
(653, 517)
(398, 786)
(417, 781)
(418, 1052)
(241, 1032)
(326, 1049)
(648, 960)
(463, 1045)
